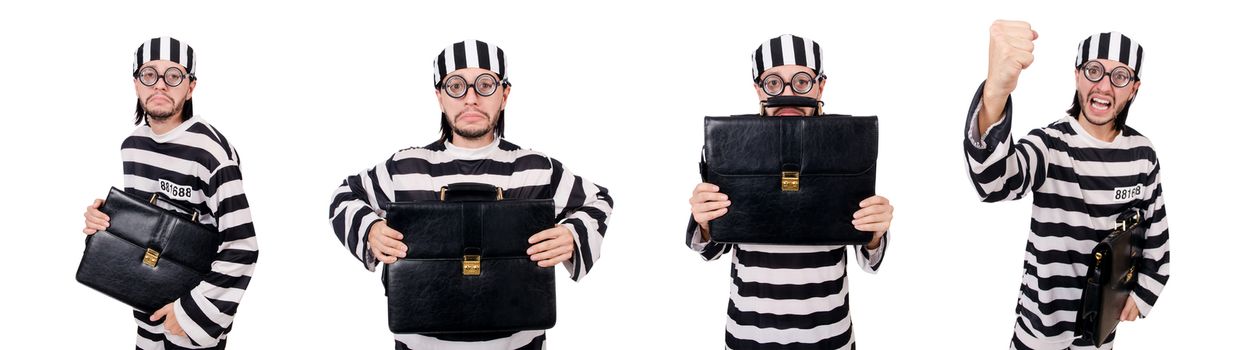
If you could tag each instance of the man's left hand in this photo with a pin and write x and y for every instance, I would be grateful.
(551, 246)
(875, 216)
(1131, 311)
(171, 320)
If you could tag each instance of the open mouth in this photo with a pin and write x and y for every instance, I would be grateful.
(789, 111)
(1100, 104)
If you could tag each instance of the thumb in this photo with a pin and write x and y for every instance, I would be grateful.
(156, 316)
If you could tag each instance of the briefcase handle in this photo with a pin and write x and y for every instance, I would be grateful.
(468, 191)
(157, 196)
(1128, 220)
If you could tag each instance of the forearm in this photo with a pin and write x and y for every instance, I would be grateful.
(585, 209)
(871, 258)
(993, 106)
(351, 217)
(208, 309)
(699, 241)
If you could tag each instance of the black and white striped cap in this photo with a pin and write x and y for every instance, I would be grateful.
(785, 50)
(1111, 46)
(165, 48)
(470, 54)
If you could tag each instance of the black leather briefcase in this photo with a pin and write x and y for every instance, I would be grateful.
(791, 180)
(467, 269)
(1110, 279)
(148, 257)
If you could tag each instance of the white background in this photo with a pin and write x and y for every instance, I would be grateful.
(310, 93)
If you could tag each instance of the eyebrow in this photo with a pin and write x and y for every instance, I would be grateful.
(152, 66)
(803, 69)
(489, 73)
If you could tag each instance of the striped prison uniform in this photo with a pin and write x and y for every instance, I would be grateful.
(416, 174)
(195, 166)
(1080, 186)
(785, 296)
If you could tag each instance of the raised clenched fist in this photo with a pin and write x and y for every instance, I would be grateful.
(1010, 51)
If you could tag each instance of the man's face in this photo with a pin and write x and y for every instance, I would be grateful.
(1101, 101)
(160, 100)
(472, 116)
(786, 74)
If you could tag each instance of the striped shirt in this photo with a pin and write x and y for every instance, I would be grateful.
(788, 297)
(1080, 186)
(195, 166)
(416, 174)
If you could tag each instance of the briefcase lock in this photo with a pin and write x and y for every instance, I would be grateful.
(471, 265)
(789, 181)
(151, 257)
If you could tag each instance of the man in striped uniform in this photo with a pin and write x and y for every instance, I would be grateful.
(181, 156)
(788, 297)
(1084, 170)
(472, 87)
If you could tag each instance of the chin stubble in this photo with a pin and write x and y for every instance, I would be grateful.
(474, 134)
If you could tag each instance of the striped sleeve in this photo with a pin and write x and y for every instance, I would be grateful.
(207, 311)
(709, 250)
(999, 168)
(1154, 265)
(871, 259)
(353, 209)
(584, 208)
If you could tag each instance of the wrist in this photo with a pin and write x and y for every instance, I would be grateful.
(876, 241)
(372, 226)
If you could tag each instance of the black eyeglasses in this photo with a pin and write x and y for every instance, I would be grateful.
(172, 77)
(1119, 77)
(457, 86)
(801, 83)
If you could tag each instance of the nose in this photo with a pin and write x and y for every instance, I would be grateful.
(470, 97)
(1105, 84)
(789, 89)
(160, 84)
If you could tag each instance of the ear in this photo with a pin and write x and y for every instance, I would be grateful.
(1134, 92)
(190, 89)
(437, 94)
(822, 84)
(506, 91)
(761, 94)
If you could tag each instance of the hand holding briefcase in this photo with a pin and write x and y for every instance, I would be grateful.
(148, 256)
(467, 269)
(1110, 279)
(791, 180)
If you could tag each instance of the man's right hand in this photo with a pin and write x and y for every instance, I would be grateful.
(1010, 51)
(707, 204)
(96, 220)
(386, 243)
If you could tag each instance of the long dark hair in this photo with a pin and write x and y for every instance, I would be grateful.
(1076, 110)
(140, 114)
(448, 130)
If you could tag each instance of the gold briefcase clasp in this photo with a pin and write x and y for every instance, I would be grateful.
(789, 181)
(151, 257)
(471, 265)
